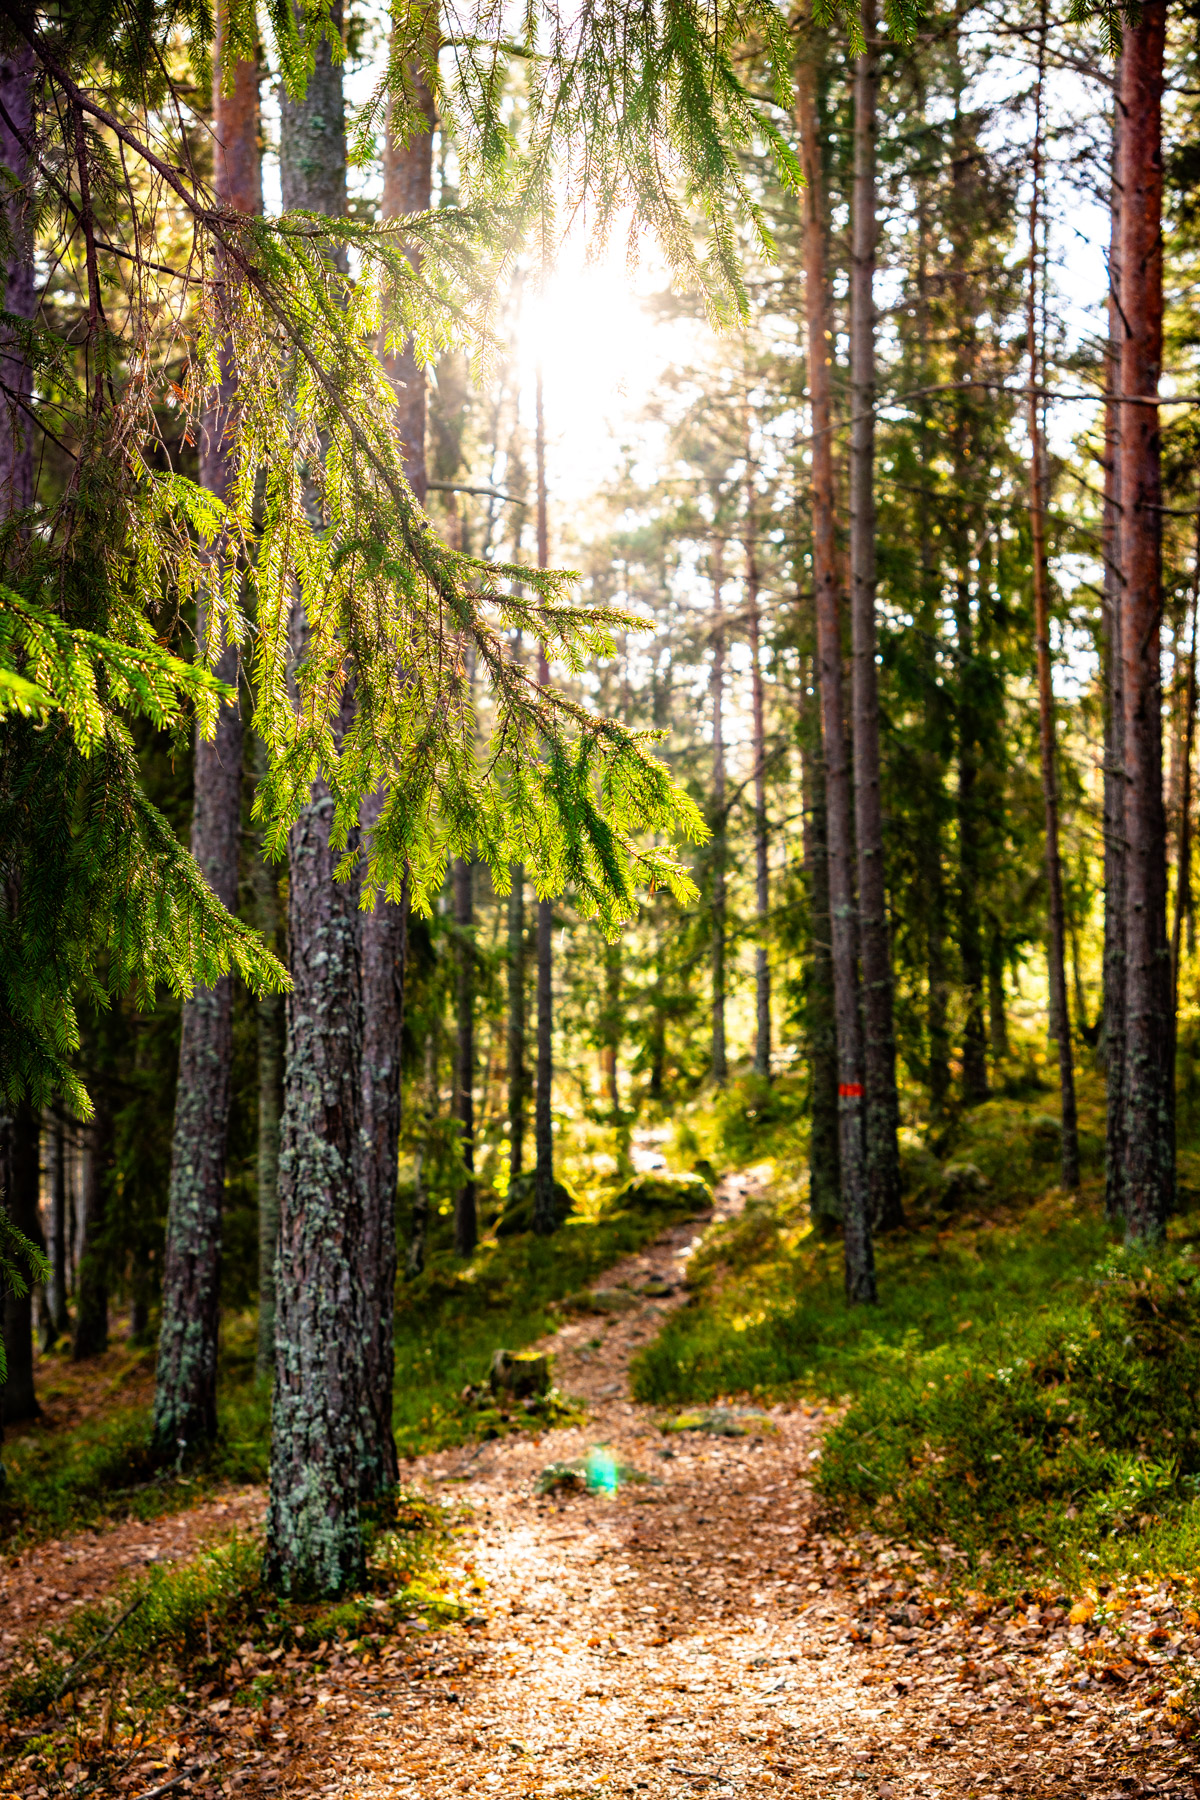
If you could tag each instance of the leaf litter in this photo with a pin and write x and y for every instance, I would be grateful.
(701, 1633)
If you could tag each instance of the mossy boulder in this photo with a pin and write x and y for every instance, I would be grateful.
(661, 1193)
(517, 1213)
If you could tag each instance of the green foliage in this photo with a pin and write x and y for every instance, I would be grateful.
(1064, 1433)
(184, 1621)
(450, 1320)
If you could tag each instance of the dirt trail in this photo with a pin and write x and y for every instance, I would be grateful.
(693, 1635)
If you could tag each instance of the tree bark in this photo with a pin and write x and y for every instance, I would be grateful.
(1183, 861)
(324, 1438)
(856, 1200)
(1060, 1017)
(1114, 714)
(544, 1216)
(16, 376)
(1150, 1088)
(185, 1394)
(720, 1060)
(820, 1021)
(465, 1221)
(91, 1281)
(22, 1183)
(879, 1047)
(517, 1077)
(271, 1034)
(762, 890)
(58, 1227)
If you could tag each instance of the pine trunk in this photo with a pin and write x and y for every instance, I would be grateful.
(91, 1279)
(271, 1033)
(1149, 1095)
(58, 1227)
(465, 1222)
(720, 1061)
(612, 1026)
(516, 1022)
(856, 1200)
(544, 1218)
(22, 1179)
(185, 1394)
(323, 1438)
(879, 1047)
(820, 1020)
(762, 890)
(16, 429)
(1113, 669)
(1183, 861)
(1060, 1018)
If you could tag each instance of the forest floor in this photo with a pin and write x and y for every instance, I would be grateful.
(695, 1631)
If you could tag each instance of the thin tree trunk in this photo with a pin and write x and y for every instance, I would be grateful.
(271, 1032)
(612, 1033)
(323, 1437)
(1150, 1089)
(22, 1181)
(879, 1060)
(58, 1227)
(466, 1228)
(517, 1077)
(720, 1062)
(1183, 869)
(544, 1211)
(820, 1020)
(185, 1394)
(415, 1261)
(997, 1016)
(1114, 715)
(856, 1200)
(16, 376)
(1060, 1017)
(91, 1281)
(762, 890)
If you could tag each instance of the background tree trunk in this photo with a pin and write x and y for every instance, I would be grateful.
(720, 1061)
(1060, 1017)
(465, 1222)
(879, 1047)
(544, 1218)
(1183, 861)
(1150, 1085)
(762, 888)
(22, 1181)
(1114, 714)
(58, 1226)
(820, 1019)
(271, 1033)
(517, 1076)
(856, 1203)
(91, 1281)
(16, 428)
(185, 1394)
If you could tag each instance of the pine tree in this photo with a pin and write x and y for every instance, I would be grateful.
(856, 1205)
(1149, 1038)
(879, 1045)
(185, 1395)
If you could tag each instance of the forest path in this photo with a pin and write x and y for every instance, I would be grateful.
(694, 1637)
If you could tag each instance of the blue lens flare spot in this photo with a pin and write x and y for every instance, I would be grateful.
(603, 1471)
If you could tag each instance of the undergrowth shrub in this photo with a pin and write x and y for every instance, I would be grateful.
(188, 1621)
(1085, 1430)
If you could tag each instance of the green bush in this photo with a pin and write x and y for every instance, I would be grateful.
(1084, 1429)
